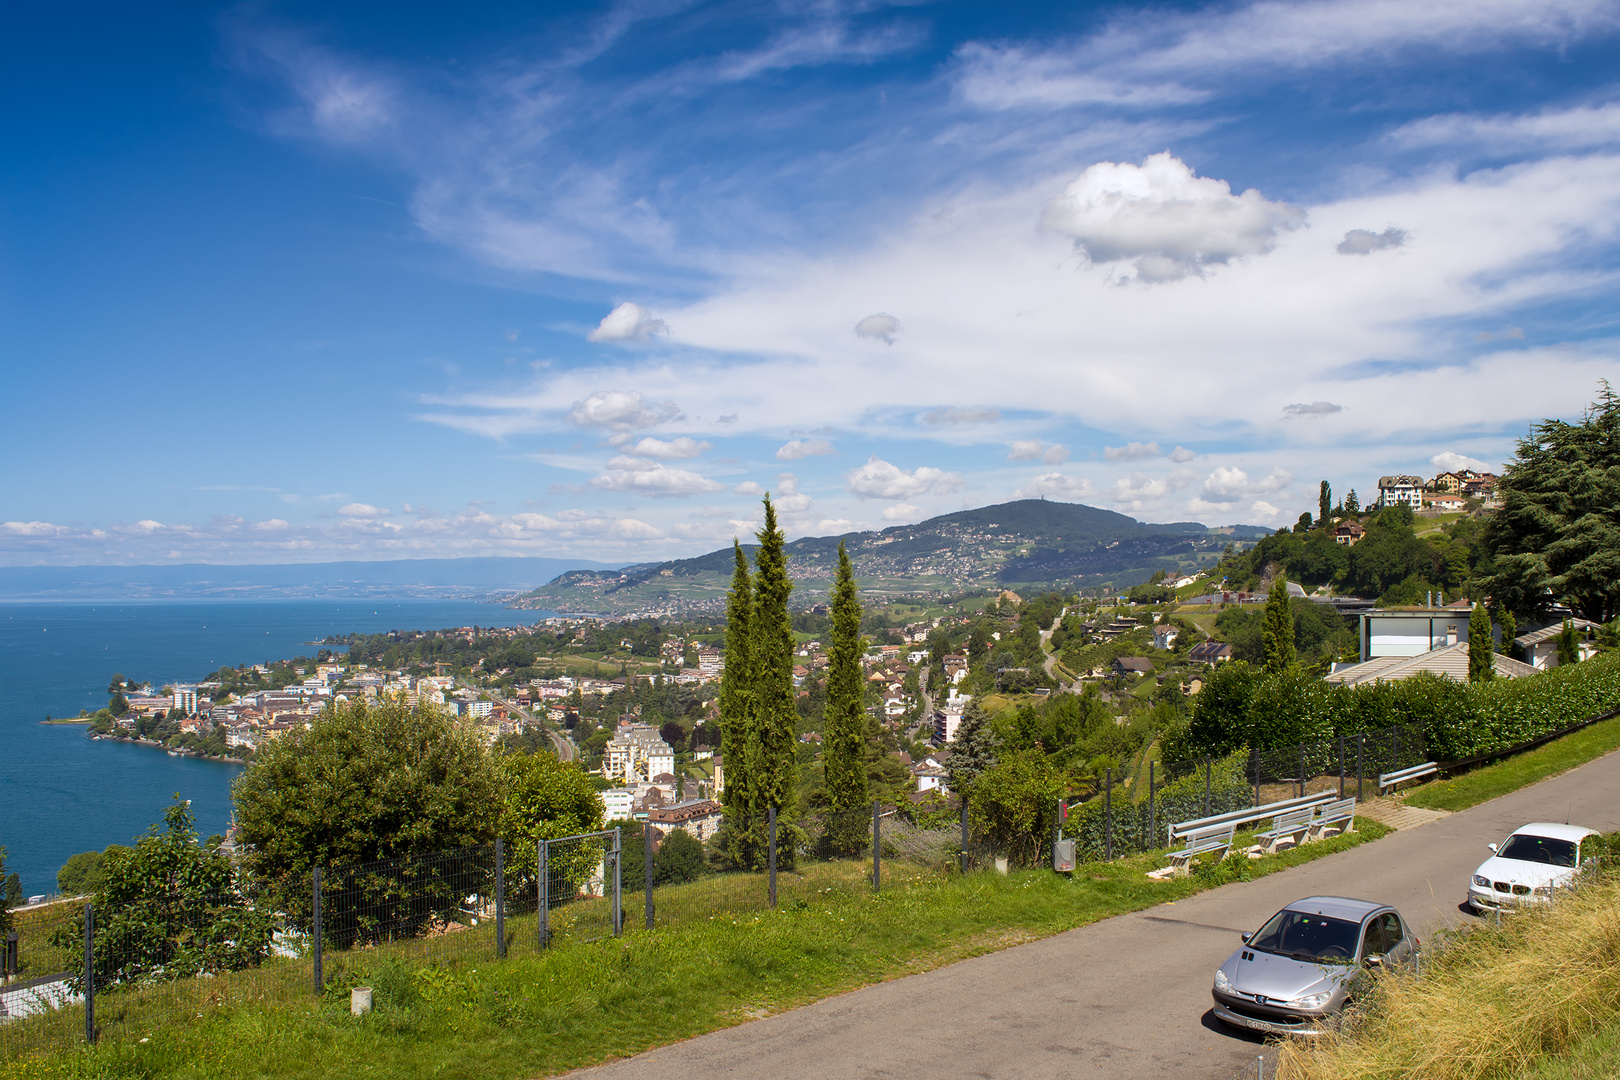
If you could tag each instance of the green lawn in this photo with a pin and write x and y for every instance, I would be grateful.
(1469, 789)
(718, 958)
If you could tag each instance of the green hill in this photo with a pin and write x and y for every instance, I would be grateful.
(1032, 543)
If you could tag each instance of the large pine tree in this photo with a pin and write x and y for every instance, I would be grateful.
(775, 706)
(1278, 628)
(844, 749)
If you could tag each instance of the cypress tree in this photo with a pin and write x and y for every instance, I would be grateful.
(1481, 651)
(1568, 645)
(775, 706)
(845, 747)
(1278, 629)
(738, 737)
(1324, 503)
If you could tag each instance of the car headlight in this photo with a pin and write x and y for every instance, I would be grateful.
(1482, 882)
(1222, 983)
(1311, 1001)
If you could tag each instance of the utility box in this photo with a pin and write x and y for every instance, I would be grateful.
(1063, 856)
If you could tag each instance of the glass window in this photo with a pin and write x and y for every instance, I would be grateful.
(1539, 849)
(1307, 936)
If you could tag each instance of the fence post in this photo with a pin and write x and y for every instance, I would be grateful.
(1254, 756)
(1361, 746)
(1302, 769)
(1153, 824)
(1341, 766)
(618, 880)
(877, 850)
(773, 856)
(1108, 815)
(89, 973)
(1209, 764)
(542, 864)
(647, 857)
(964, 834)
(500, 900)
(1395, 758)
(315, 878)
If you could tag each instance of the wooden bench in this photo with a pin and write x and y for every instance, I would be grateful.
(1199, 842)
(1401, 776)
(1341, 813)
(1294, 825)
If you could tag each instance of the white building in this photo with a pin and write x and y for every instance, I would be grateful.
(185, 699)
(946, 721)
(1400, 489)
(637, 752)
(616, 804)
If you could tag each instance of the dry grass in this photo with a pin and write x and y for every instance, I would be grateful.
(1493, 1003)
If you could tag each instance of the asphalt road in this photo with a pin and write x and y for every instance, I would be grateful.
(1123, 998)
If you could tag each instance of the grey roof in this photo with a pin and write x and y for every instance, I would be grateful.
(1451, 661)
(1536, 637)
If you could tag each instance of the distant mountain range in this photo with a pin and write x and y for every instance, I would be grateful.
(1033, 543)
(438, 579)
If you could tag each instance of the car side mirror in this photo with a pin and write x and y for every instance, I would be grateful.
(1246, 937)
(1492, 847)
(1374, 961)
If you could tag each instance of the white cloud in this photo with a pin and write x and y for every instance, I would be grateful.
(1365, 241)
(639, 477)
(1263, 509)
(1449, 461)
(1170, 221)
(363, 511)
(1135, 451)
(627, 322)
(878, 479)
(1056, 485)
(795, 449)
(622, 411)
(1035, 450)
(1181, 455)
(1229, 484)
(748, 487)
(1580, 128)
(271, 525)
(880, 327)
(903, 512)
(787, 497)
(960, 415)
(1314, 408)
(678, 449)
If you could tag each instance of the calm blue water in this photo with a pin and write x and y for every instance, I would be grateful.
(62, 793)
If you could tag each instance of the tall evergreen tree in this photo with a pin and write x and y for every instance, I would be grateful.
(844, 752)
(1278, 628)
(1481, 650)
(738, 738)
(1568, 645)
(1324, 503)
(974, 749)
(776, 713)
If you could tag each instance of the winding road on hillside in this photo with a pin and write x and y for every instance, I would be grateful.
(1124, 998)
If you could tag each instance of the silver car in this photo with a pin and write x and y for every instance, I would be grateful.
(1296, 974)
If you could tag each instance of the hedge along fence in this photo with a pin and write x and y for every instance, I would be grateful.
(1242, 706)
(1181, 799)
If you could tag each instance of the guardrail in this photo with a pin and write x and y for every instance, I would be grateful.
(1236, 818)
(1401, 776)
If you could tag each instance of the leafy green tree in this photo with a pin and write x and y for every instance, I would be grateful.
(1279, 629)
(1324, 504)
(171, 908)
(739, 740)
(1014, 803)
(6, 899)
(1303, 525)
(1557, 534)
(546, 799)
(1481, 650)
(85, 872)
(775, 702)
(1352, 505)
(362, 783)
(844, 748)
(1568, 645)
(118, 704)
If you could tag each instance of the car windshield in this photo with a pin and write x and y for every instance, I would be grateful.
(1539, 849)
(1307, 936)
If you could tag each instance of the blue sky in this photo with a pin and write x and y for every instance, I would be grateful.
(289, 282)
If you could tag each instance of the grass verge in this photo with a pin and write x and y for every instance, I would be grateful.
(1561, 755)
(540, 1014)
(1537, 997)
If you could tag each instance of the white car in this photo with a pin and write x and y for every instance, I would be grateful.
(1527, 866)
